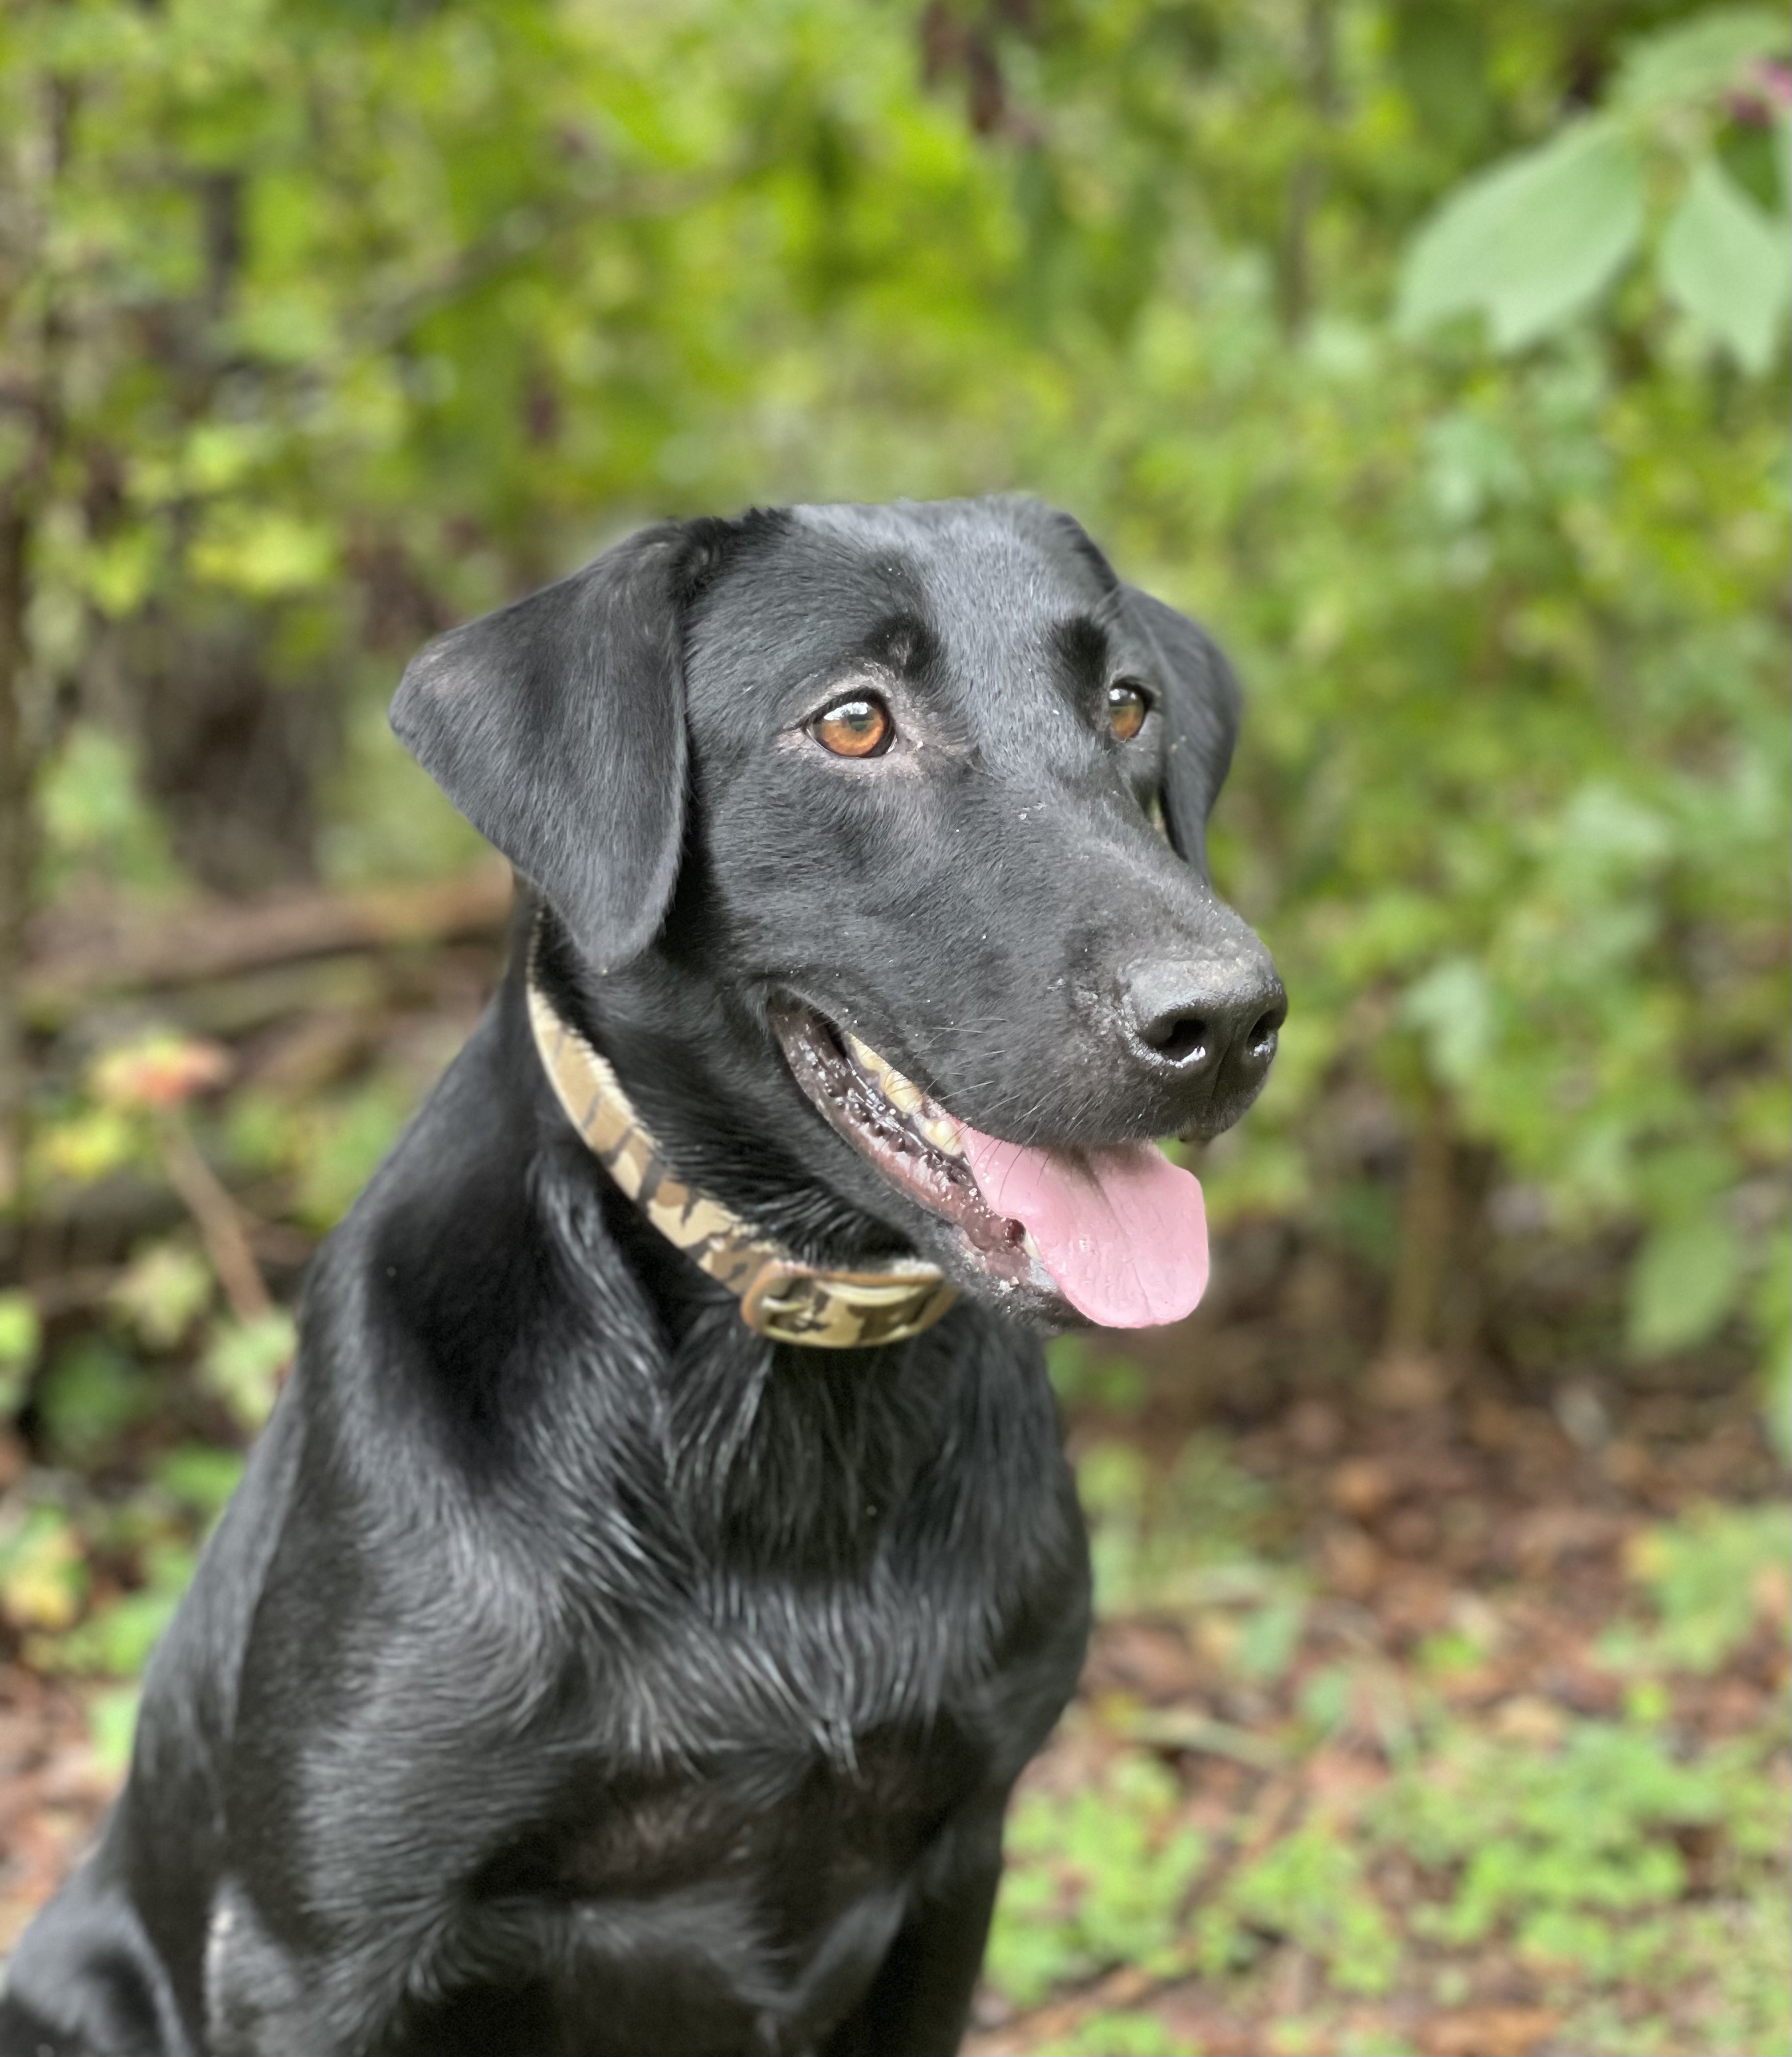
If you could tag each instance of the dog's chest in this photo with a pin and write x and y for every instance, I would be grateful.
(809, 1741)
(740, 1897)
(768, 1784)
(800, 1828)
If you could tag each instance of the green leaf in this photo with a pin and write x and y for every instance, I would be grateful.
(92, 1394)
(264, 552)
(1440, 56)
(163, 1291)
(1310, 1889)
(1096, 1877)
(1531, 242)
(1773, 1322)
(1727, 263)
(1682, 1284)
(1704, 1574)
(111, 1718)
(243, 1364)
(43, 1574)
(1697, 60)
(20, 1335)
(200, 1477)
(95, 815)
(1453, 1006)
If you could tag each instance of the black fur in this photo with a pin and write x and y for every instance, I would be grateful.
(574, 1672)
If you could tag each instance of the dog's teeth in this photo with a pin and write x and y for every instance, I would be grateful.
(905, 1097)
(867, 1058)
(1031, 1247)
(941, 1130)
(901, 1092)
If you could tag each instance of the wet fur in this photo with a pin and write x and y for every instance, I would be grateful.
(574, 1672)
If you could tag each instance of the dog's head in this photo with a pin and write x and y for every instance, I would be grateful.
(880, 832)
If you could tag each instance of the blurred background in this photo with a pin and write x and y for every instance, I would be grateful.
(1434, 352)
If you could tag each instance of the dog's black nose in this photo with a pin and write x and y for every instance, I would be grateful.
(1198, 1019)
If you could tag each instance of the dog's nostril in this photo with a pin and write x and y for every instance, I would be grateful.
(1175, 1036)
(1205, 1019)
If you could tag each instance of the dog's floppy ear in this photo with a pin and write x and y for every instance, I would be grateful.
(556, 726)
(1203, 710)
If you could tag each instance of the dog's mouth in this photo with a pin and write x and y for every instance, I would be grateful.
(1118, 1233)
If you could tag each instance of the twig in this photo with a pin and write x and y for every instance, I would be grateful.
(1185, 1728)
(220, 1225)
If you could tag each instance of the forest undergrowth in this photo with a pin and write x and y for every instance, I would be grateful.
(1437, 1701)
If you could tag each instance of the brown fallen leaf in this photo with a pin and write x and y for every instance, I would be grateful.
(1529, 1719)
(1144, 1658)
(1362, 1486)
(1352, 1562)
(1487, 2031)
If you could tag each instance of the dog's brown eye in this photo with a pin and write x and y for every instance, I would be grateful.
(1127, 707)
(854, 728)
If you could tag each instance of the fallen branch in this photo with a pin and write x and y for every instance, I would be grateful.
(124, 951)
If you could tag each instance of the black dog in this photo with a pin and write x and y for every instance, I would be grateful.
(581, 1667)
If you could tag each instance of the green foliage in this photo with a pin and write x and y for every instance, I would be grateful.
(96, 824)
(200, 1477)
(1711, 1578)
(244, 1361)
(1185, 1535)
(1095, 1878)
(91, 1393)
(43, 1571)
(111, 1718)
(115, 1640)
(1537, 240)
(1434, 354)
(333, 1147)
(164, 1290)
(1724, 259)
(1605, 1857)
(1683, 1283)
(1531, 242)
(1743, 1954)
(1568, 1852)
(1084, 1375)
(21, 1336)
(1309, 1888)
(1113, 2035)
(369, 317)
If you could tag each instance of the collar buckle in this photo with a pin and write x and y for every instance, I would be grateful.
(796, 1303)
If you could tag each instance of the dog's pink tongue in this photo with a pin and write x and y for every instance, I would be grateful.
(1123, 1231)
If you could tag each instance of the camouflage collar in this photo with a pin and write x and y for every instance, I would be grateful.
(780, 1296)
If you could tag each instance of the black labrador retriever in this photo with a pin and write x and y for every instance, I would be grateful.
(662, 1561)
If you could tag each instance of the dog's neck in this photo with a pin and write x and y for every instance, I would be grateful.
(782, 1295)
(775, 1457)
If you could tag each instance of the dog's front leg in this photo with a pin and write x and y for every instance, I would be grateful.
(919, 2001)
